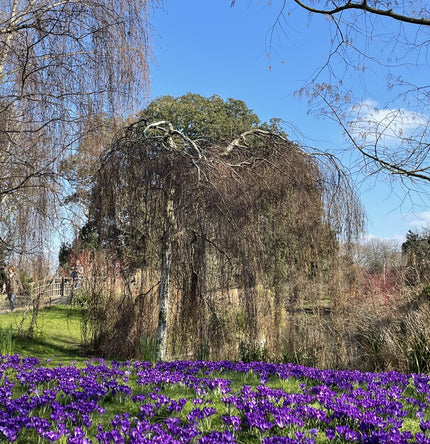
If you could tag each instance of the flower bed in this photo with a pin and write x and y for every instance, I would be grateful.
(208, 402)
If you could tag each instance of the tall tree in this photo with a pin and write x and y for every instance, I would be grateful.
(208, 214)
(378, 41)
(61, 63)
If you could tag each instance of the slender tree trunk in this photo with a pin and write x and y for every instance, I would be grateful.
(277, 319)
(34, 315)
(163, 295)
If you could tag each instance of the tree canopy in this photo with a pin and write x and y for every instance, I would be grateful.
(206, 120)
(205, 213)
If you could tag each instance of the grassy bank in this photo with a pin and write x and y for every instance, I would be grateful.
(57, 334)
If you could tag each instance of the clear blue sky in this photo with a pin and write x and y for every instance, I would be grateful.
(209, 48)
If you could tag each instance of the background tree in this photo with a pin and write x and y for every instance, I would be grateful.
(381, 269)
(373, 44)
(236, 209)
(416, 251)
(376, 255)
(61, 64)
(206, 121)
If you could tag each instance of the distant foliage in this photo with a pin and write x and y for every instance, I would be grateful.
(416, 251)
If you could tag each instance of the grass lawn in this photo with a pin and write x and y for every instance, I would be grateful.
(57, 333)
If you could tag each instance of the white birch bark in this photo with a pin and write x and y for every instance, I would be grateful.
(164, 291)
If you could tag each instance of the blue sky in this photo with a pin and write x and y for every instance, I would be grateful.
(209, 48)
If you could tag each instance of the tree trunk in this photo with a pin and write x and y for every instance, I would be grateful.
(163, 295)
(34, 315)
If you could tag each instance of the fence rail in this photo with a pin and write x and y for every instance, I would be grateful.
(55, 291)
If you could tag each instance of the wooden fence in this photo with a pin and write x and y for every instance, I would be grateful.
(54, 291)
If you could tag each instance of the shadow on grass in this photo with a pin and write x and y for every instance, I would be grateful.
(57, 333)
(43, 348)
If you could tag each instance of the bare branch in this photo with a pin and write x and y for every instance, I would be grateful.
(364, 6)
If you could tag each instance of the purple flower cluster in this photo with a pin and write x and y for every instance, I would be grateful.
(203, 403)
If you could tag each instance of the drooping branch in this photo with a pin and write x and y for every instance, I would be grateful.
(393, 139)
(242, 138)
(169, 131)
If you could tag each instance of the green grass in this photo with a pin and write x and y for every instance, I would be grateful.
(57, 335)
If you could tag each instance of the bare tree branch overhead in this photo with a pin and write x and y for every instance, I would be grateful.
(372, 42)
(332, 8)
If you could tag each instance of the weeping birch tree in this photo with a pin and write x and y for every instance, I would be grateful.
(237, 206)
(61, 63)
